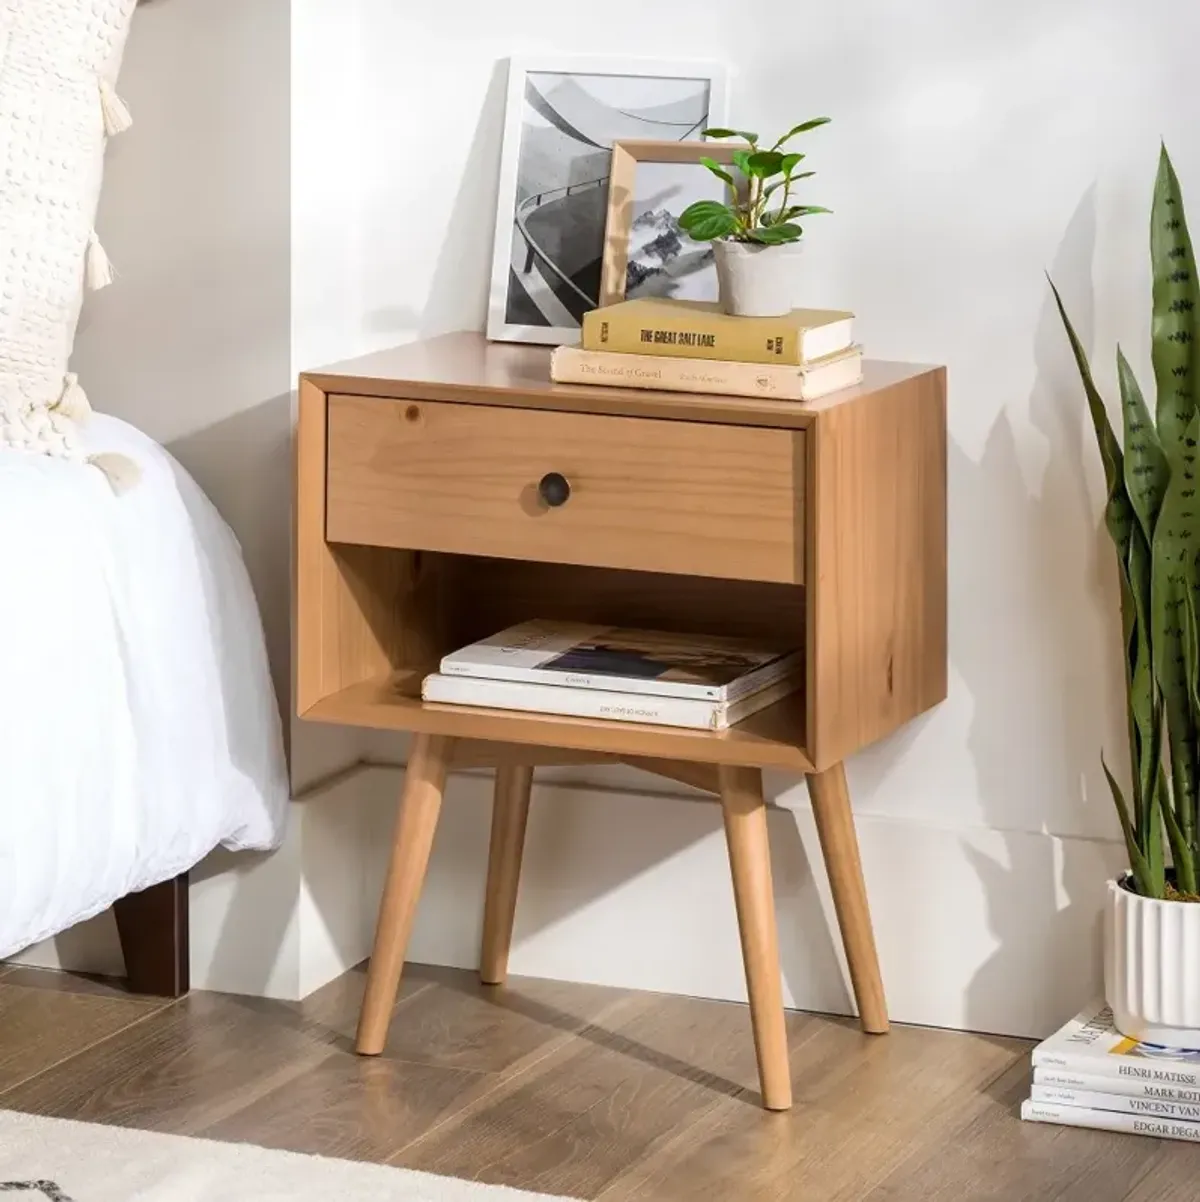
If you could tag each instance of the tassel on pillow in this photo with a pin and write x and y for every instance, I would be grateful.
(117, 117)
(99, 270)
(73, 403)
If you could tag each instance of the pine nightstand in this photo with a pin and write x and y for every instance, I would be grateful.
(447, 489)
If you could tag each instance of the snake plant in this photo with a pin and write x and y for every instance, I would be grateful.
(1153, 517)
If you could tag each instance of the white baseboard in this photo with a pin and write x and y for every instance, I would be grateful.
(983, 930)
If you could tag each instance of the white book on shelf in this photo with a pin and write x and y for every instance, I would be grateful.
(1121, 1103)
(1109, 1120)
(1091, 1046)
(650, 662)
(1127, 1087)
(601, 703)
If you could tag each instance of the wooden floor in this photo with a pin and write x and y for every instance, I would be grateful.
(569, 1089)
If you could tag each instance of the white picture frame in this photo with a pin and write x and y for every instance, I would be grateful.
(563, 126)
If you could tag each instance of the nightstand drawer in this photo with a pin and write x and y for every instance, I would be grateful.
(622, 492)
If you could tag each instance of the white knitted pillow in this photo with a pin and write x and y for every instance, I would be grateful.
(58, 59)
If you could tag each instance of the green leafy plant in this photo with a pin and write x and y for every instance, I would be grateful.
(761, 207)
(1153, 517)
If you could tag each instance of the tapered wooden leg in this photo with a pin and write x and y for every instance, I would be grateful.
(839, 845)
(153, 929)
(510, 812)
(420, 804)
(750, 862)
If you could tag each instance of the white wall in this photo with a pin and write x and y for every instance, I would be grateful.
(973, 147)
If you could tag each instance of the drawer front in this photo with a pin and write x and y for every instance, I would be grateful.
(664, 496)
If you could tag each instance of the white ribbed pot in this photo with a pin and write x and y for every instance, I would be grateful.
(1152, 967)
(757, 281)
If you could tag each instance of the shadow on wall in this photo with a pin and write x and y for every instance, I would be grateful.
(1060, 695)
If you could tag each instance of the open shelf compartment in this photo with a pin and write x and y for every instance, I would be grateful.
(402, 610)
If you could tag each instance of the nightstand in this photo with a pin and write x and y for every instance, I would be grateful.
(447, 489)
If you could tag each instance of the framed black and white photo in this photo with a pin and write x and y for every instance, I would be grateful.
(563, 116)
(646, 253)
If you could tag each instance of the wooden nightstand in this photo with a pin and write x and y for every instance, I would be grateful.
(420, 527)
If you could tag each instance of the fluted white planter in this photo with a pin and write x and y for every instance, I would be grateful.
(1152, 967)
(757, 281)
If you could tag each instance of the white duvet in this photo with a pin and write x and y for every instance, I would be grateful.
(138, 727)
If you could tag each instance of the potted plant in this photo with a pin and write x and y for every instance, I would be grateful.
(1152, 921)
(755, 237)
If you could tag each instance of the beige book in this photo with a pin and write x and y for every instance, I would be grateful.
(701, 330)
(573, 365)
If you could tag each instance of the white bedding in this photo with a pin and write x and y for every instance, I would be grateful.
(138, 727)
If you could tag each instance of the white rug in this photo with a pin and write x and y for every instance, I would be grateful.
(52, 1159)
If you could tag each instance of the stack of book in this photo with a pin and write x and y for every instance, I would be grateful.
(703, 683)
(691, 346)
(1090, 1075)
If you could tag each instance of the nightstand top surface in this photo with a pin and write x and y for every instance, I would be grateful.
(467, 368)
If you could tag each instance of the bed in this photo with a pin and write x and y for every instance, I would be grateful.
(138, 726)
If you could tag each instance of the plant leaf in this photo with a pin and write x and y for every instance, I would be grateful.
(1142, 695)
(706, 220)
(730, 133)
(802, 128)
(741, 160)
(1175, 574)
(717, 169)
(1118, 510)
(764, 163)
(789, 162)
(1187, 859)
(1146, 470)
(1137, 862)
(773, 235)
(1175, 351)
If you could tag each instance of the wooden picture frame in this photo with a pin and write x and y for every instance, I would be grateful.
(626, 157)
(536, 294)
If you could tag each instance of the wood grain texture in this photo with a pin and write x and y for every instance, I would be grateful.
(510, 814)
(839, 847)
(587, 1092)
(877, 654)
(347, 618)
(768, 739)
(183, 1069)
(155, 938)
(40, 1028)
(467, 369)
(695, 498)
(745, 815)
(412, 841)
(517, 590)
(579, 1116)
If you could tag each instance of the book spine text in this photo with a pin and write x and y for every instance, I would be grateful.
(1109, 1120)
(1123, 1104)
(1129, 1068)
(693, 336)
(1122, 1086)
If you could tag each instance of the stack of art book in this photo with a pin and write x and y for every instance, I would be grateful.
(1090, 1075)
(692, 346)
(593, 671)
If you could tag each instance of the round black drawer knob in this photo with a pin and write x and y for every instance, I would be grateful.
(554, 489)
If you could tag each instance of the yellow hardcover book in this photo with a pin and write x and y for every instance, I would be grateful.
(574, 365)
(698, 330)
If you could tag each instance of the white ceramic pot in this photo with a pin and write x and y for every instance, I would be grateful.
(757, 281)
(1152, 967)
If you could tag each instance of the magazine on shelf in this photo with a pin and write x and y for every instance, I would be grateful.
(650, 662)
(1090, 1045)
(601, 703)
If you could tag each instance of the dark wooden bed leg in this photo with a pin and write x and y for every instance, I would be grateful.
(153, 926)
